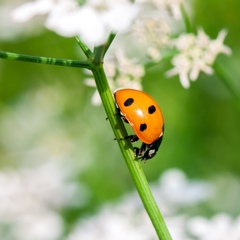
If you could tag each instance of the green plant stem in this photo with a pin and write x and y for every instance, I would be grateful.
(44, 60)
(227, 80)
(88, 53)
(134, 166)
(186, 19)
(109, 41)
(99, 54)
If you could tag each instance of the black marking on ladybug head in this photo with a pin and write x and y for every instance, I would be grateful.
(143, 127)
(151, 109)
(128, 102)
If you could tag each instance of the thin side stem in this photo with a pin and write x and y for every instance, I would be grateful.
(227, 80)
(99, 54)
(86, 50)
(44, 60)
(186, 19)
(109, 42)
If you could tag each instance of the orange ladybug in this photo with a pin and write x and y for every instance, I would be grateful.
(144, 115)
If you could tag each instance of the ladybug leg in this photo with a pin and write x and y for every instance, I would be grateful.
(120, 114)
(152, 149)
(139, 152)
(142, 149)
(132, 138)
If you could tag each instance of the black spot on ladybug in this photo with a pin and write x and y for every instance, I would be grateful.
(143, 127)
(128, 102)
(151, 109)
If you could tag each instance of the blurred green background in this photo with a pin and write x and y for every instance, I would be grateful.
(202, 124)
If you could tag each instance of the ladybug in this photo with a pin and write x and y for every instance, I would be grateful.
(144, 115)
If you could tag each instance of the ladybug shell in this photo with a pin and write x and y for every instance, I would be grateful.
(142, 112)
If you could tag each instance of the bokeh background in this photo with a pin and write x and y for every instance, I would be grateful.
(46, 118)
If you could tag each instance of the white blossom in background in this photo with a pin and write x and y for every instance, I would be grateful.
(219, 227)
(196, 53)
(122, 72)
(173, 184)
(172, 7)
(91, 21)
(152, 29)
(153, 33)
(128, 220)
(10, 29)
(30, 198)
(43, 180)
(149, 26)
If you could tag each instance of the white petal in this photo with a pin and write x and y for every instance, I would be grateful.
(63, 19)
(90, 27)
(172, 72)
(194, 73)
(202, 39)
(120, 17)
(222, 35)
(28, 10)
(62, 24)
(198, 66)
(184, 80)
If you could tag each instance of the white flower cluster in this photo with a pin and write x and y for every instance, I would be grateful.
(220, 227)
(92, 21)
(149, 25)
(30, 199)
(153, 33)
(171, 6)
(128, 220)
(196, 54)
(42, 181)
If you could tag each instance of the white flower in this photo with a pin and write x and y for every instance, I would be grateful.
(182, 67)
(216, 46)
(28, 10)
(29, 199)
(153, 33)
(196, 54)
(128, 220)
(175, 189)
(219, 227)
(122, 72)
(92, 21)
(171, 6)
